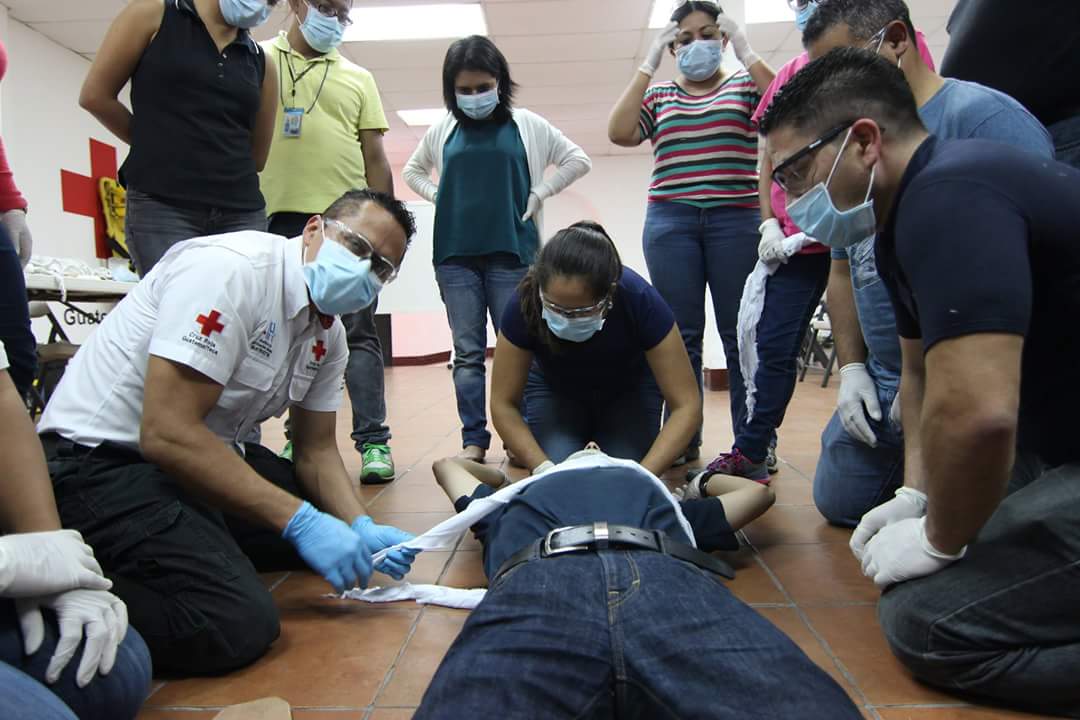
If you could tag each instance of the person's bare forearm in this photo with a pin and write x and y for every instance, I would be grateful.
(203, 465)
(623, 123)
(912, 392)
(673, 439)
(843, 316)
(114, 116)
(764, 181)
(323, 476)
(380, 177)
(511, 427)
(27, 503)
(762, 74)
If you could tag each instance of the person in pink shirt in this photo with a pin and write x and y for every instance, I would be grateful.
(792, 293)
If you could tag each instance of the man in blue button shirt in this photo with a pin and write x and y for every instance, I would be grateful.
(978, 249)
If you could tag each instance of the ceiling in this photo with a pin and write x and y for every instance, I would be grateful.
(571, 77)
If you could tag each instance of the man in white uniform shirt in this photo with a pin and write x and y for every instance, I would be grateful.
(145, 434)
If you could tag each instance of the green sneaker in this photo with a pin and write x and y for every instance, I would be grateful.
(378, 464)
(286, 452)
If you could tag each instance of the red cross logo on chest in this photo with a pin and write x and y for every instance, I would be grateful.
(319, 350)
(210, 324)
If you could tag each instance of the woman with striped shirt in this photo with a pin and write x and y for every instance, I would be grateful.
(704, 209)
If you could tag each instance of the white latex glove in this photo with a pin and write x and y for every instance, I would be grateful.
(771, 247)
(15, 223)
(532, 208)
(659, 46)
(858, 398)
(901, 551)
(100, 615)
(908, 503)
(542, 467)
(894, 413)
(738, 40)
(44, 563)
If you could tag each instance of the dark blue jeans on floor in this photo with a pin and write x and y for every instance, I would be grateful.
(1066, 135)
(1002, 623)
(474, 289)
(152, 226)
(618, 634)
(791, 295)
(15, 332)
(688, 249)
(25, 696)
(365, 374)
(624, 421)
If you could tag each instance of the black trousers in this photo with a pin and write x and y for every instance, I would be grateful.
(187, 573)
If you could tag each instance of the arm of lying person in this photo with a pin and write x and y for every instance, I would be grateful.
(319, 467)
(27, 503)
(175, 437)
(509, 373)
(670, 366)
(968, 433)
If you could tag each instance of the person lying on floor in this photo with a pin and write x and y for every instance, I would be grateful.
(599, 606)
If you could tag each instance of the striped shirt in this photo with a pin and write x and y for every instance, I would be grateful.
(705, 146)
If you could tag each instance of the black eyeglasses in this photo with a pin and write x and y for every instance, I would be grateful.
(360, 246)
(785, 174)
(330, 10)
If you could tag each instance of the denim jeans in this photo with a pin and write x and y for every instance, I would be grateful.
(152, 226)
(688, 249)
(1003, 622)
(188, 573)
(791, 295)
(15, 332)
(877, 319)
(473, 289)
(1066, 136)
(365, 373)
(603, 635)
(624, 422)
(24, 695)
(853, 478)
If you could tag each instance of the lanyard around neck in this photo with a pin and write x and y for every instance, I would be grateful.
(294, 79)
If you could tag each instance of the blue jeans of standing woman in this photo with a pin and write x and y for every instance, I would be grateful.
(688, 249)
(474, 289)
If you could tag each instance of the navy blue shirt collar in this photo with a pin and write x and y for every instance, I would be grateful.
(243, 37)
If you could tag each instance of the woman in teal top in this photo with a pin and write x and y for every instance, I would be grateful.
(490, 159)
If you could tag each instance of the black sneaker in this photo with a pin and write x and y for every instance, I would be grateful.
(770, 460)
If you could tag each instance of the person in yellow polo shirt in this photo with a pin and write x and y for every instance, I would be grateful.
(328, 139)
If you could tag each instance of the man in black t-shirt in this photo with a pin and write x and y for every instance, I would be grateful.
(979, 246)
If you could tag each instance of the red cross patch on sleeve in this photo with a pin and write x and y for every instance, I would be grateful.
(319, 350)
(209, 323)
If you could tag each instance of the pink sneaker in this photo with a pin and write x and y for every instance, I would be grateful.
(737, 464)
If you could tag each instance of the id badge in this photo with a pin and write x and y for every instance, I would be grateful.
(294, 120)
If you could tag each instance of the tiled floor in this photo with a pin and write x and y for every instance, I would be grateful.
(343, 660)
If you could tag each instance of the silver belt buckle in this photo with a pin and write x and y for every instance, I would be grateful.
(600, 540)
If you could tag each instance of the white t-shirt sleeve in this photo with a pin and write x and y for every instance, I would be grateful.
(3, 357)
(206, 301)
(328, 388)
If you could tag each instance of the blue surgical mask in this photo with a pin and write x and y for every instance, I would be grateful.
(817, 216)
(573, 329)
(339, 282)
(802, 17)
(479, 106)
(700, 60)
(245, 14)
(322, 33)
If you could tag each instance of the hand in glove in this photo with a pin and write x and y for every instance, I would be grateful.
(398, 562)
(15, 223)
(101, 616)
(858, 399)
(45, 563)
(330, 547)
(532, 208)
(907, 504)
(739, 42)
(771, 247)
(901, 551)
(660, 45)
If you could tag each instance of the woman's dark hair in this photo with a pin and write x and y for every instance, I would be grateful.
(711, 9)
(479, 54)
(582, 250)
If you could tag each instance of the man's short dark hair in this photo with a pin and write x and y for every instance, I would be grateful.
(843, 86)
(353, 201)
(864, 18)
(479, 54)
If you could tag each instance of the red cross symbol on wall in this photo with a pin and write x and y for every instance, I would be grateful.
(210, 324)
(80, 193)
(318, 351)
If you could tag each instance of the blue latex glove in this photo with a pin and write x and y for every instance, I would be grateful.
(330, 547)
(398, 562)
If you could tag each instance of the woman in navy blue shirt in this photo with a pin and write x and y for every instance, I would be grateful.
(594, 351)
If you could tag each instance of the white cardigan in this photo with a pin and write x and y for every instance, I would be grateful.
(544, 145)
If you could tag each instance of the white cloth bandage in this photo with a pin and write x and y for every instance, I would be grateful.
(422, 594)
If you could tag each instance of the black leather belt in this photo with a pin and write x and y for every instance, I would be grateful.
(601, 536)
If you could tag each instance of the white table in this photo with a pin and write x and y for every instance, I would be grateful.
(46, 288)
